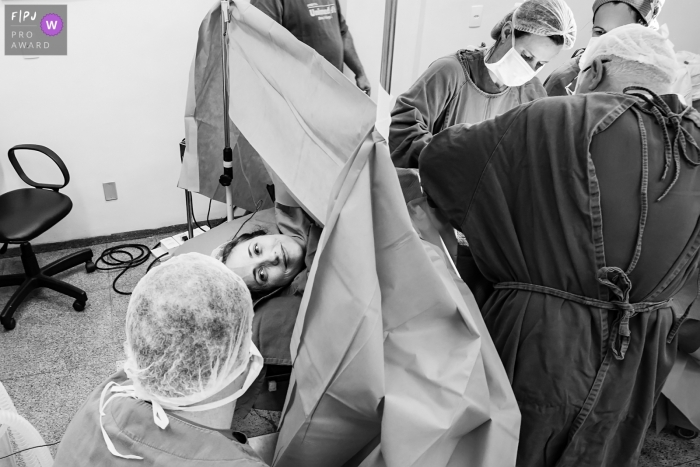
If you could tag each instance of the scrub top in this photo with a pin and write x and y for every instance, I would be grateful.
(454, 89)
(564, 77)
(130, 426)
(321, 26)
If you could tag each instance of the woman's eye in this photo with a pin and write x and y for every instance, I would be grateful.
(262, 275)
(256, 249)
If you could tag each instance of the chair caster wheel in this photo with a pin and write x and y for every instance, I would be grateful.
(684, 433)
(90, 267)
(78, 305)
(9, 324)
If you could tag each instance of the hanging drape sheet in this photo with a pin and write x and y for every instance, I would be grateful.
(204, 130)
(393, 365)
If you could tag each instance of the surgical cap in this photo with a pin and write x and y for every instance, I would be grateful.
(634, 42)
(188, 327)
(647, 9)
(544, 18)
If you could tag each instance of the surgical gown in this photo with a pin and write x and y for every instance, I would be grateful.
(129, 424)
(454, 89)
(563, 78)
(559, 202)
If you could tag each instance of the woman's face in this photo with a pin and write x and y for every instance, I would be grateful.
(266, 262)
(536, 50)
(610, 16)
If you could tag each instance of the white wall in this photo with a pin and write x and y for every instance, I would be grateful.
(682, 19)
(112, 109)
(365, 19)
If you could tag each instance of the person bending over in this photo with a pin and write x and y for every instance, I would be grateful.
(189, 357)
(476, 84)
(583, 212)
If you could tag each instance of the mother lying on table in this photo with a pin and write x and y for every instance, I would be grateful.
(269, 261)
(264, 261)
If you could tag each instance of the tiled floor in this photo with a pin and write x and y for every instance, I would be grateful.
(55, 356)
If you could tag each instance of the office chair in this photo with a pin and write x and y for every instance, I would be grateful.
(24, 215)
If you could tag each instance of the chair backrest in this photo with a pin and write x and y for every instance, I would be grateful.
(44, 150)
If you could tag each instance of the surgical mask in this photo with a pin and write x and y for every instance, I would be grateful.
(512, 70)
(254, 364)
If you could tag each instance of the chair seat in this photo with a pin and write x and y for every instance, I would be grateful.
(27, 213)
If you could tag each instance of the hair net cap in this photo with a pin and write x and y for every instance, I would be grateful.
(636, 43)
(188, 329)
(648, 9)
(544, 18)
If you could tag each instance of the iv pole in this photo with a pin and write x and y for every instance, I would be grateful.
(385, 80)
(227, 176)
(388, 45)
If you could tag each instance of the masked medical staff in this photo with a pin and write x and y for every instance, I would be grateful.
(607, 15)
(583, 212)
(189, 357)
(476, 84)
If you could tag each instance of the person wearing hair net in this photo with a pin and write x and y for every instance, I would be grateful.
(582, 211)
(607, 15)
(479, 83)
(189, 356)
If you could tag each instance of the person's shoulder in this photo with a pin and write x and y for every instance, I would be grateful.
(564, 74)
(568, 67)
(448, 68)
(448, 63)
(532, 90)
(553, 109)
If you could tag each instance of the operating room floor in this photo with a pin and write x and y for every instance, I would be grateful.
(56, 356)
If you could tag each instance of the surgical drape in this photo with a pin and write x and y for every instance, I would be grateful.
(392, 362)
(204, 130)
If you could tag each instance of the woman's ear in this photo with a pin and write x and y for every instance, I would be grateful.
(506, 31)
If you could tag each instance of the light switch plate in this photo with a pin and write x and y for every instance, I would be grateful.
(110, 190)
(475, 19)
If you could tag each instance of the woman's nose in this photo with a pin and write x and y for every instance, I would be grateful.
(274, 256)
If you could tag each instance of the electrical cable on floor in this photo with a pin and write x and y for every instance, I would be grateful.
(109, 257)
(27, 449)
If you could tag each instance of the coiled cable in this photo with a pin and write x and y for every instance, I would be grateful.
(114, 259)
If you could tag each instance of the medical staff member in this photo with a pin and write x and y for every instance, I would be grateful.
(583, 213)
(322, 27)
(607, 15)
(189, 357)
(476, 84)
